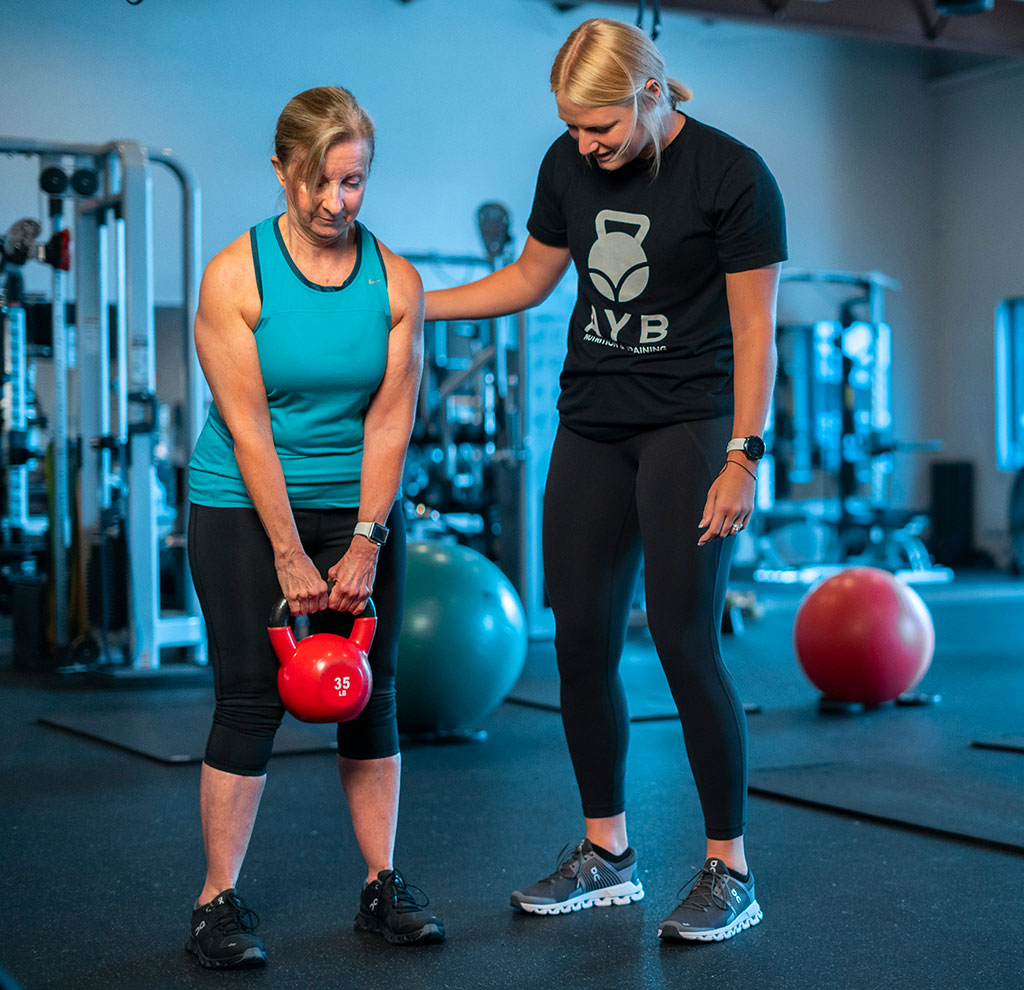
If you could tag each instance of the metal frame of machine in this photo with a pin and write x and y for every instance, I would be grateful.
(116, 414)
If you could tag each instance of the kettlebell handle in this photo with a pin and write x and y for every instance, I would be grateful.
(280, 614)
(638, 220)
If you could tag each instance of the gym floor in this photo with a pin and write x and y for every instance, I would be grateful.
(910, 877)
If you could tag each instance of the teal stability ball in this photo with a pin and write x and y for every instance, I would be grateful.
(463, 641)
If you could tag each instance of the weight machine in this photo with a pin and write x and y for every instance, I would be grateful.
(1009, 353)
(19, 412)
(105, 444)
(469, 474)
(823, 489)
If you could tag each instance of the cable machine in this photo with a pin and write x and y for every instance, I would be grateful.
(469, 473)
(1009, 371)
(119, 519)
(823, 492)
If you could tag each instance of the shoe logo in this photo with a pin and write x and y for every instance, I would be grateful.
(594, 873)
(735, 893)
(713, 865)
(373, 904)
(617, 264)
(202, 925)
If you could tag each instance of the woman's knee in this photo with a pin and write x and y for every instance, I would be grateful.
(242, 739)
(373, 734)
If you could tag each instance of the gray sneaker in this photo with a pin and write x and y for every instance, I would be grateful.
(717, 907)
(583, 879)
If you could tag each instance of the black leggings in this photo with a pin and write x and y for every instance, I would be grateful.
(233, 570)
(607, 506)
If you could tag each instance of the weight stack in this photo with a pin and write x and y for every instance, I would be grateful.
(952, 513)
(107, 575)
(28, 606)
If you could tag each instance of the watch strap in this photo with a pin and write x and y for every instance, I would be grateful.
(752, 447)
(373, 531)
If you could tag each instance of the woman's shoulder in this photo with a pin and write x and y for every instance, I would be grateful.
(722, 152)
(714, 141)
(718, 162)
(404, 283)
(561, 163)
(230, 275)
(563, 149)
(229, 263)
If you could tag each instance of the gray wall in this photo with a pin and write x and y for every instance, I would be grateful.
(880, 170)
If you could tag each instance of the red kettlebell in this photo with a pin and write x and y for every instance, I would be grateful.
(324, 677)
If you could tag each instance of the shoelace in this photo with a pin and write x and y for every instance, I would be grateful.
(234, 916)
(402, 896)
(568, 865)
(707, 890)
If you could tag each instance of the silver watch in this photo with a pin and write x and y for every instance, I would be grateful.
(373, 531)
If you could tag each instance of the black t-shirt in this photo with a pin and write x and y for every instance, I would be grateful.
(650, 342)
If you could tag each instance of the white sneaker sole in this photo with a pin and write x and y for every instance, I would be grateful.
(623, 893)
(752, 916)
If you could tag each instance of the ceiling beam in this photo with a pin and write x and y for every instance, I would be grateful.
(998, 32)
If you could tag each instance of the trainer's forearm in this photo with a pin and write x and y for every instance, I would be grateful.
(498, 294)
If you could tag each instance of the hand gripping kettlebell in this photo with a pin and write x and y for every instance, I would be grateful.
(324, 677)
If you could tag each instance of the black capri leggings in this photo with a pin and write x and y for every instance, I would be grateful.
(233, 569)
(607, 506)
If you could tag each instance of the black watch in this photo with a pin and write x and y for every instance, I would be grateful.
(753, 447)
(373, 531)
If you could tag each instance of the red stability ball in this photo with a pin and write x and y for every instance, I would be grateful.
(863, 636)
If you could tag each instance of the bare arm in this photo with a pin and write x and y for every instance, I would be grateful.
(227, 312)
(529, 280)
(386, 431)
(752, 298)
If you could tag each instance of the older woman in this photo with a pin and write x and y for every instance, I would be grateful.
(309, 332)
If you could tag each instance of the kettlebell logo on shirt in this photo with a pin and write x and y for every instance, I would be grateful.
(617, 264)
(618, 267)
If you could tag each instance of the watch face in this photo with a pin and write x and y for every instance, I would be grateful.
(754, 447)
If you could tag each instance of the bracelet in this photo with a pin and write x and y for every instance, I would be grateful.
(741, 466)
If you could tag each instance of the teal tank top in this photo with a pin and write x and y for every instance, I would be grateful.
(322, 351)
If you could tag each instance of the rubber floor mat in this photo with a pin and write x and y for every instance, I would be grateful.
(966, 802)
(177, 733)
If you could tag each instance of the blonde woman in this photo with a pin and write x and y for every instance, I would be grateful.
(677, 231)
(309, 334)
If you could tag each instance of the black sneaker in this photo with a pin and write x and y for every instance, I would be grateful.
(388, 907)
(221, 934)
(583, 879)
(717, 907)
